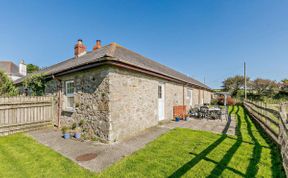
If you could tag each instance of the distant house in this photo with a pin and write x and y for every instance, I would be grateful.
(12, 70)
(117, 92)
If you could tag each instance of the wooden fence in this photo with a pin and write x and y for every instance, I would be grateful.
(19, 114)
(275, 124)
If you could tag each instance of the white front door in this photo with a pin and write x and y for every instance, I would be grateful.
(161, 102)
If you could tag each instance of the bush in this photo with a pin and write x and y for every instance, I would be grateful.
(229, 100)
(65, 129)
(35, 84)
(214, 102)
(6, 86)
(81, 123)
(74, 125)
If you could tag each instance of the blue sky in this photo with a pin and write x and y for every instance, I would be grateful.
(204, 39)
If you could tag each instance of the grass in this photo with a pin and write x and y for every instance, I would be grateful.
(188, 153)
(21, 156)
(180, 152)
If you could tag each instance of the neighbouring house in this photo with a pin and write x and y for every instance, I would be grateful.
(12, 70)
(117, 92)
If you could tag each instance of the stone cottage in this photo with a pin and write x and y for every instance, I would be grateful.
(117, 92)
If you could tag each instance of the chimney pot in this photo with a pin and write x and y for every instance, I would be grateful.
(98, 45)
(80, 48)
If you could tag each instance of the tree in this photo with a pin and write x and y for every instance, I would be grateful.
(32, 68)
(285, 81)
(6, 86)
(234, 84)
(35, 84)
(284, 85)
(265, 87)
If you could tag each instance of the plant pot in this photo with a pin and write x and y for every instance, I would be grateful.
(177, 119)
(77, 135)
(66, 135)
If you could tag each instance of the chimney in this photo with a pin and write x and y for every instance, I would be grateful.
(22, 68)
(98, 45)
(79, 49)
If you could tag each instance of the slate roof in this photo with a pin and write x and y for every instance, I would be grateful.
(118, 53)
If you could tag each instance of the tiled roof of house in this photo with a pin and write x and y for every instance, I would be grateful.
(118, 53)
(9, 68)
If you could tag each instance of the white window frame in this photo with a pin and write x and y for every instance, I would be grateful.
(190, 96)
(69, 95)
(161, 101)
(160, 91)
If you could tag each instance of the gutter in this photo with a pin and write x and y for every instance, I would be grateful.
(112, 61)
(121, 64)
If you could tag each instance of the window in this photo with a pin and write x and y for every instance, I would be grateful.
(160, 91)
(69, 94)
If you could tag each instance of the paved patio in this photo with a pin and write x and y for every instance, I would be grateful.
(103, 155)
(106, 154)
(225, 126)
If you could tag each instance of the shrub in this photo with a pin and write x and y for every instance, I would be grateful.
(35, 84)
(6, 86)
(81, 123)
(214, 101)
(65, 129)
(229, 100)
(74, 125)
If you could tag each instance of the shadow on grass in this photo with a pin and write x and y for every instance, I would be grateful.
(277, 167)
(186, 167)
(228, 122)
(252, 168)
(257, 150)
(223, 163)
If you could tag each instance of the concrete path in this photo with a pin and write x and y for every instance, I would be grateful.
(106, 154)
(103, 155)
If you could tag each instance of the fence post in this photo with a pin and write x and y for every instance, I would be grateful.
(283, 112)
(284, 136)
(259, 110)
(53, 110)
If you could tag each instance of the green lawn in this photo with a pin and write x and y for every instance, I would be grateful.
(183, 152)
(21, 156)
(180, 152)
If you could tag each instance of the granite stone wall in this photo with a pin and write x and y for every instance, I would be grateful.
(133, 103)
(195, 94)
(207, 97)
(91, 101)
(173, 97)
(116, 103)
(51, 87)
